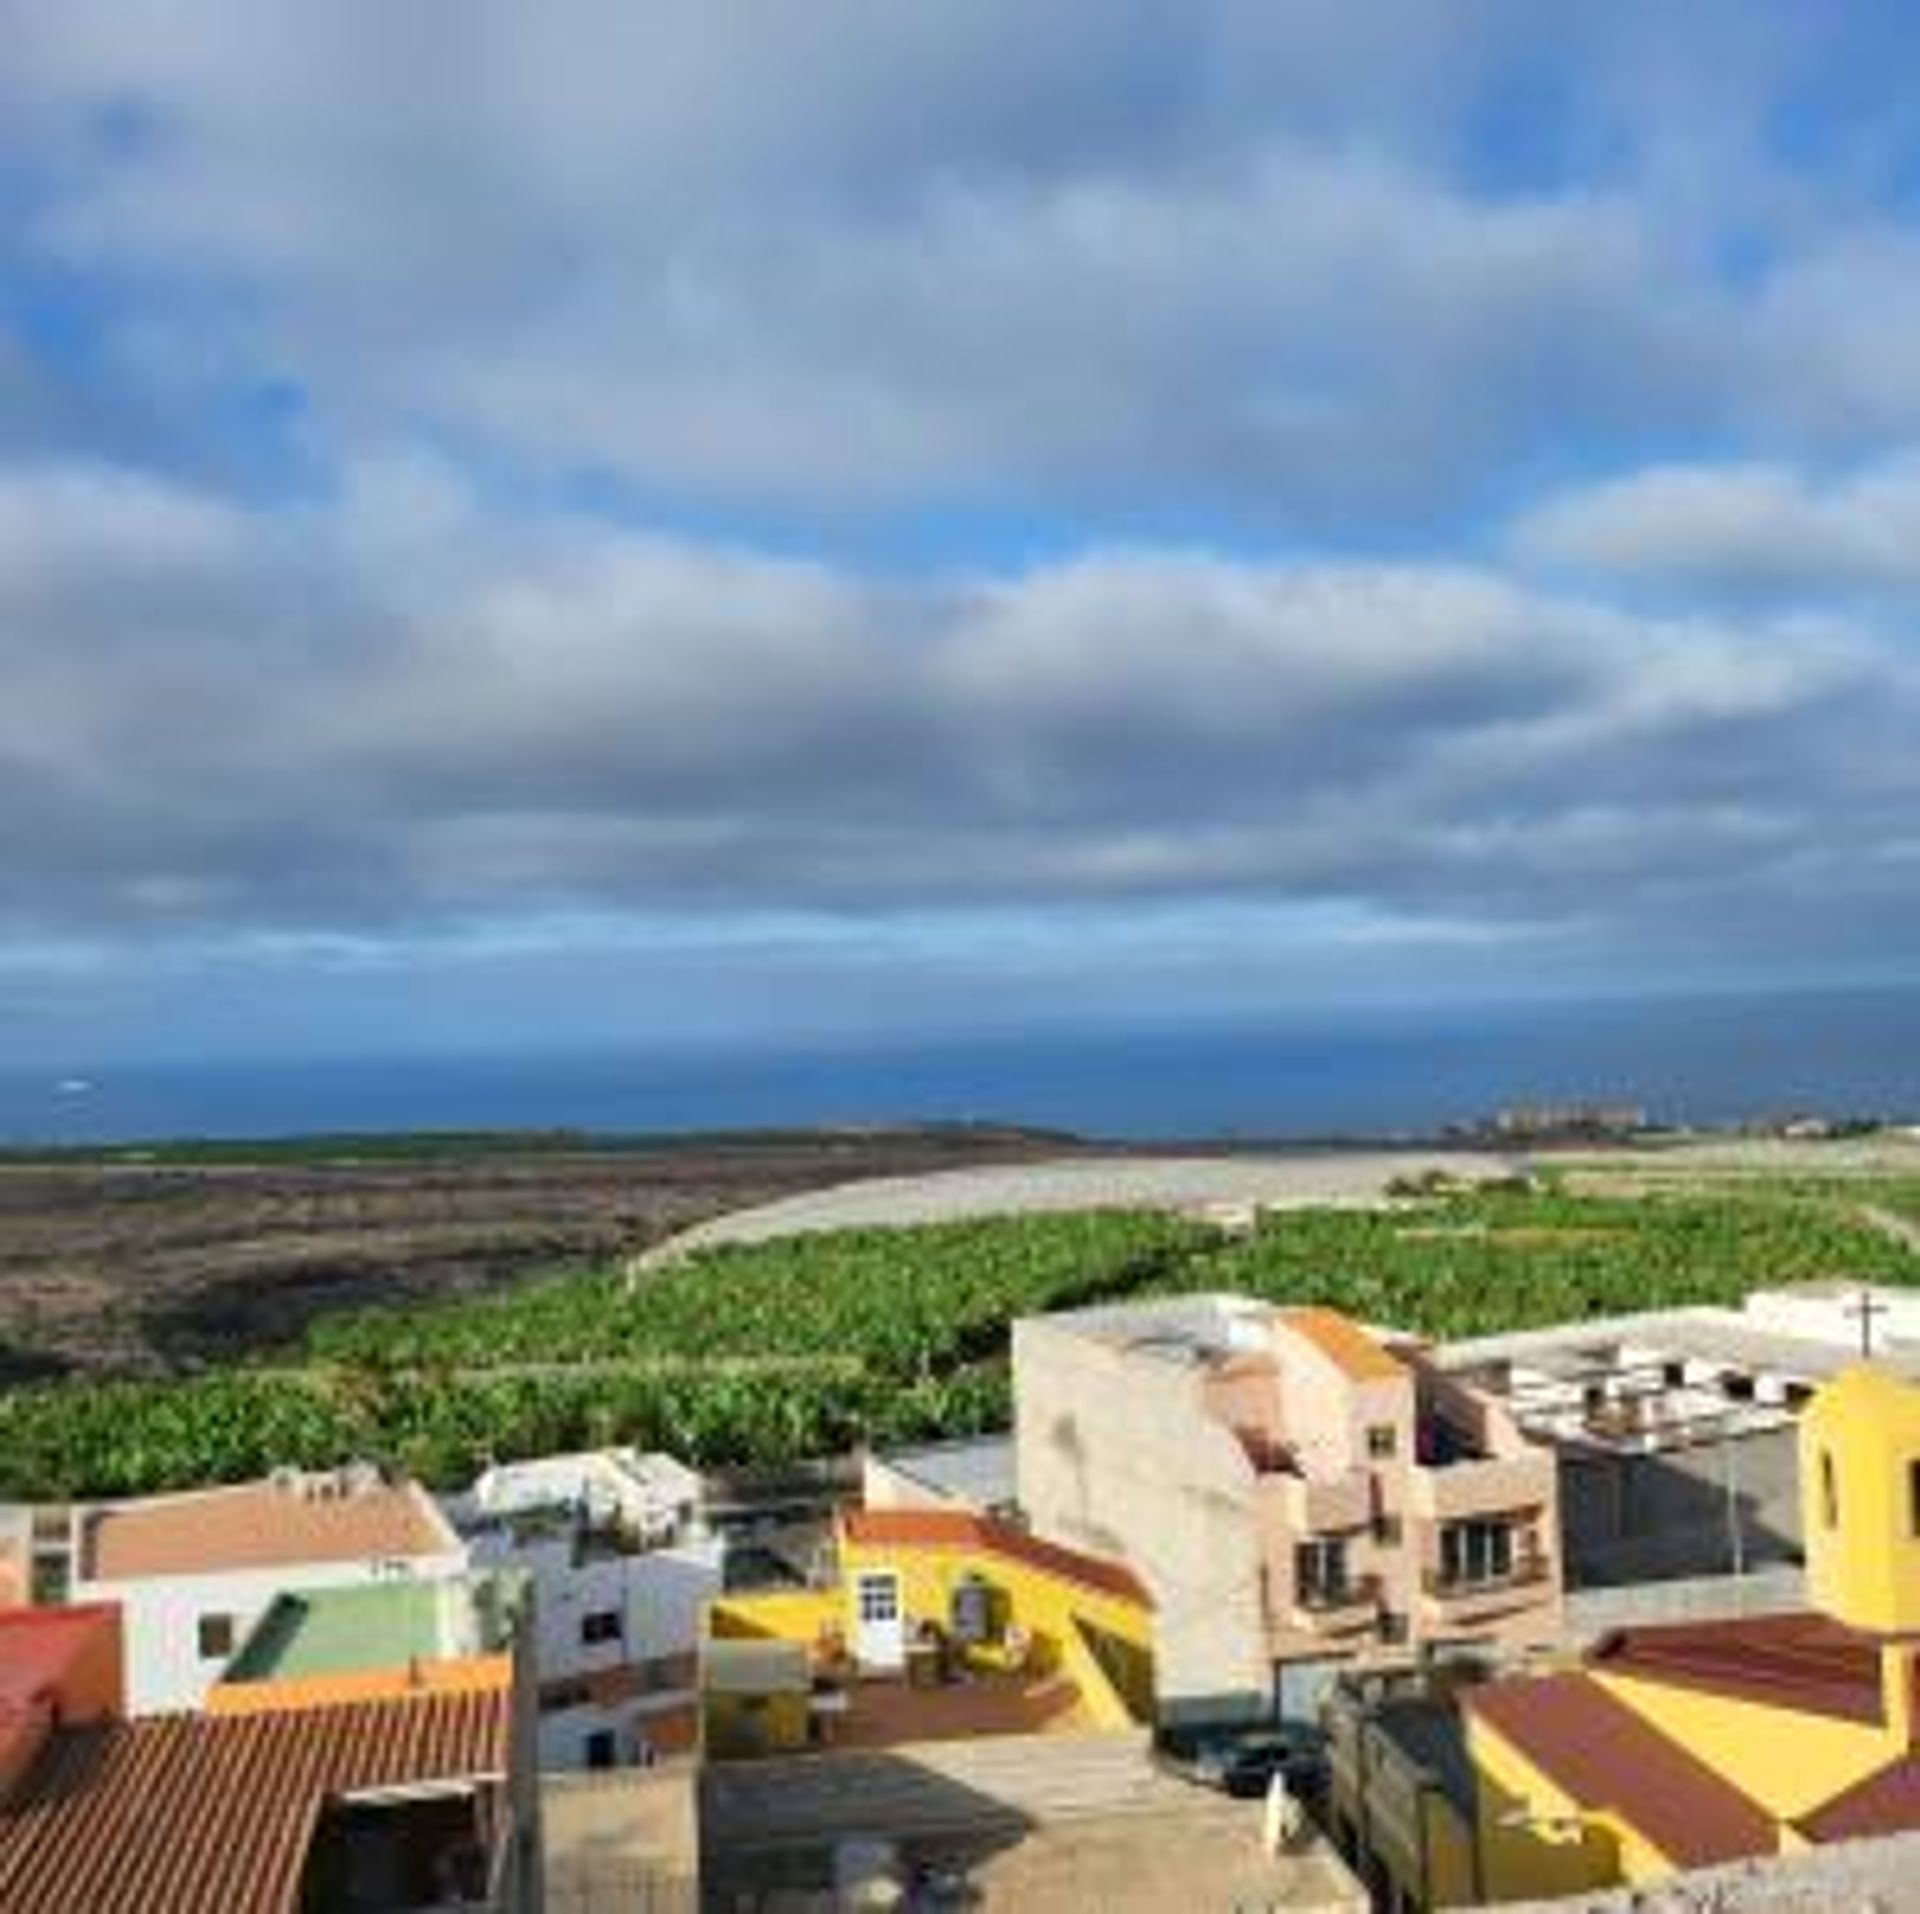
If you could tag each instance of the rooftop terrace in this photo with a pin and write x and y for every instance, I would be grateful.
(334, 1631)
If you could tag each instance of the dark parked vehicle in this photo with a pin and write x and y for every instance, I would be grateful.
(1243, 1762)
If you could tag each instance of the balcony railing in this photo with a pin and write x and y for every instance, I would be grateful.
(1526, 1573)
(1351, 1603)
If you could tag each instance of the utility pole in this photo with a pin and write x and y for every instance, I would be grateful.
(1730, 1476)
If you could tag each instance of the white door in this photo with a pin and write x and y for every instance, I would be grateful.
(880, 1640)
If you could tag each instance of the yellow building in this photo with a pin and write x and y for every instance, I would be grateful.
(1683, 1745)
(941, 1624)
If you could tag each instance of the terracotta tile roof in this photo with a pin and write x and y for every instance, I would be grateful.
(1596, 1750)
(1804, 1661)
(956, 1528)
(270, 1524)
(1886, 1802)
(187, 1811)
(1344, 1343)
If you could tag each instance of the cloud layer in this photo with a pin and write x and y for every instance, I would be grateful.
(400, 707)
(1420, 468)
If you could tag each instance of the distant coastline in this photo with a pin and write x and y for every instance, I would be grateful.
(1366, 1077)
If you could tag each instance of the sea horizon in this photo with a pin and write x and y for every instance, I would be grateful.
(1690, 1061)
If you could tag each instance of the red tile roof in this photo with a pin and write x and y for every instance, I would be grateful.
(271, 1524)
(1344, 1343)
(1886, 1802)
(38, 1646)
(956, 1528)
(1805, 1662)
(192, 1811)
(1595, 1749)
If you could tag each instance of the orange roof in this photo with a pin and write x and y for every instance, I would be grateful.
(957, 1528)
(271, 1524)
(1595, 1749)
(187, 1811)
(1344, 1343)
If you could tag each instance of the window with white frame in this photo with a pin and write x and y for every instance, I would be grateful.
(1476, 1551)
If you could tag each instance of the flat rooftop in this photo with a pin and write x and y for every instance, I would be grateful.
(1725, 1338)
(336, 1631)
(890, 1714)
(977, 1471)
(1192, 1330)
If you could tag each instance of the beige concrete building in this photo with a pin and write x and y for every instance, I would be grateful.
(1298, 1494)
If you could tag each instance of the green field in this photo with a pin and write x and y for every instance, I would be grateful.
(808, 1345)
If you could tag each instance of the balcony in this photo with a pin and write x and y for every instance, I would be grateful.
(1461, 1491)
(1343, 1608)
(1324, 1506)
(1456, 1603)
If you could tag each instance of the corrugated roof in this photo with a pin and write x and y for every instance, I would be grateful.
(270, 1524)
(1596, 1750)
(1344, 1343)
(959, 1528)
(191, 1811)
(1803, 1661)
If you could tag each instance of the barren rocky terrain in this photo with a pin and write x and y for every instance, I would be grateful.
(128, 1264)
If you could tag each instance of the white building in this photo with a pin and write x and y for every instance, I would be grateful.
(622, 1567)
(195, 1572)
(1675, 1427)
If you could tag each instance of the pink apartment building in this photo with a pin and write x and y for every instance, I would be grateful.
(1298, 1493)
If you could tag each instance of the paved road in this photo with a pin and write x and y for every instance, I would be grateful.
(1084, 1183)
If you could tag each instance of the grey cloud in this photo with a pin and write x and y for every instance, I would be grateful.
(1748, 531)
(208, 732)
(859, 256)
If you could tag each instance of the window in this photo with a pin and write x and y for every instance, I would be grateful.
(599, 1748)
(216, 1637)
(601, 1626)
(1913, 1497)
(879, 1598)
(1382, 1441)
(1829, 1491)
(1320, 1573)
(1393, 1629)
(1386, 1530)
(1475, 1552)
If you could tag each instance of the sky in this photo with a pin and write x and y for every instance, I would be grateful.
(548, 526)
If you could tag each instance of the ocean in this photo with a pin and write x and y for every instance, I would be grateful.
(1381, 1072)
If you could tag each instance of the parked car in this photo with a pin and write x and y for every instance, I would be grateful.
(1243, 1762)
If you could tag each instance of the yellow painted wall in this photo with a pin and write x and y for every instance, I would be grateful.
(788, 1615)
(1534, 1842)
(1863, 1555)
(1048, 1607)
(1450, 1869)
(1786, 1761)
(746, 1725)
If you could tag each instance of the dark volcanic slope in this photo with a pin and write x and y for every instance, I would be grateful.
(129, 1265)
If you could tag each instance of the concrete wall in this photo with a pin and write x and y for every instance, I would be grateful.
(1630, 1518)
(1118, 1456)
(161, 1615)
(1883, 1876)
